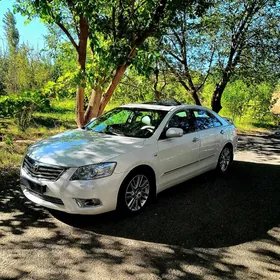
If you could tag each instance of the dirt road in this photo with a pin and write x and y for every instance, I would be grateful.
(207, 228)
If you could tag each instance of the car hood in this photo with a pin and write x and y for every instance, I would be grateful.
(80, 147)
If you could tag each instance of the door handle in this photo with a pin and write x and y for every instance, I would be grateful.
(195, 139)
(222, 132)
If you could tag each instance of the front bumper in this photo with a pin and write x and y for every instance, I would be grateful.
(105, 189)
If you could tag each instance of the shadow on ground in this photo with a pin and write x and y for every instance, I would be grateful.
(204, 212)
(196, 222)
(265, 145)
(25, 214)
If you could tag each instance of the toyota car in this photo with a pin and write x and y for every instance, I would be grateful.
(125, 157)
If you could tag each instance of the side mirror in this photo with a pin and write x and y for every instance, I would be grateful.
(173, 132)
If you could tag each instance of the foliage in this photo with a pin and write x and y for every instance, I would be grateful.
(137, 89)
(116, 32)
(22, 106)
(208, 46)
(9, 141)
(237, 97)
(21, 67)
(255, 100)
(24, 70)
(63, 87)
(231, 41)
(262, 101)
(11, 31)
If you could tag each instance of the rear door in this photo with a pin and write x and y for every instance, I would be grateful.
(211, 137)
(178, 157)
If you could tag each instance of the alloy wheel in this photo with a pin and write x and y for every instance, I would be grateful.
(225, 158)
(137, 192)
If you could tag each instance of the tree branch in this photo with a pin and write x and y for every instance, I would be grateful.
(71, 8)
(173, 43)
(208, 72)
(63, 28)
(114, 23)
(174, 71)
(154, 22)
(176, 57)
(132, 3)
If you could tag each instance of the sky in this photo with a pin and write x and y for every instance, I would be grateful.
(32, 33)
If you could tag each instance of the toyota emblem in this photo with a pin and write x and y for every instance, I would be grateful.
(35, 167)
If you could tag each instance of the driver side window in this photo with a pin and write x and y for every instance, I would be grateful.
(184, 120)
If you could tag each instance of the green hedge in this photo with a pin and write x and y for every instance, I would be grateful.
(21, 106)
(13, 105)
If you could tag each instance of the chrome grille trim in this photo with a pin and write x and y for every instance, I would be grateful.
(40, 170)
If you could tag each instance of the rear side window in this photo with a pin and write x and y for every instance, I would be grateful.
(205, 120)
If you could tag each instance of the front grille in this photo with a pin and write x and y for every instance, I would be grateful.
(47, 198)
(40, 170)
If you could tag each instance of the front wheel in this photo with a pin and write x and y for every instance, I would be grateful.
(224, 160)
(134, 193)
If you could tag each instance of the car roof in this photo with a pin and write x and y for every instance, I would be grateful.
(162, 106)
(148, 106)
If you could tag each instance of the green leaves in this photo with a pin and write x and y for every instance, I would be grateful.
(22, 106)
(14, 104)
(241, 98)
(11, 32)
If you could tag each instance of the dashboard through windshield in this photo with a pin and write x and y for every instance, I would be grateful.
(130, 122)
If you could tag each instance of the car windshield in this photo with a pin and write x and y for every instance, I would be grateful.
(131, 122)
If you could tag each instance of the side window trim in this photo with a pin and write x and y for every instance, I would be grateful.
(186, 110)
(210, 116)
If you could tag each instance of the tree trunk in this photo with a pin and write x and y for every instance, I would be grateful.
(82, 53)
(217, 95)
(80, 94)
(158, 95)
(93, 106)
(106, 97)
(195, 97)
(192, 91)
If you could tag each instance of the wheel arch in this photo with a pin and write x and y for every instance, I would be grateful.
(230, 146)
(148, 170)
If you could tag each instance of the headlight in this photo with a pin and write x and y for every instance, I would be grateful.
(94, 171)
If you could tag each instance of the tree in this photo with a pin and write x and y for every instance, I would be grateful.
(233, 39)
(63, 70)
(114, 32)
(252, 32)
(12, 37)
(3, 71)
(11, 32)
(185, 56)
(21, 67)
(237, 97)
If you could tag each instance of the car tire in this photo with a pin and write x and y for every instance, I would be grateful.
(135, 193)
(225, 159)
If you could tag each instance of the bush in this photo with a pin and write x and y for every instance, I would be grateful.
(22, 106)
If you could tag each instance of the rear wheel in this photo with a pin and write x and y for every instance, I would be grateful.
(225, 160)
(134, 193)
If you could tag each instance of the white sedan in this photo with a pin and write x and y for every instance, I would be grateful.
(124, 158)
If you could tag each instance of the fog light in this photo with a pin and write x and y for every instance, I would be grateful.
(82, 203)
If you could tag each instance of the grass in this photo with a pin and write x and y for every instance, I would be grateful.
(249, 125)
(14, 142)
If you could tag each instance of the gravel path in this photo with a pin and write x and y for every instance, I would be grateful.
(207, 228)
